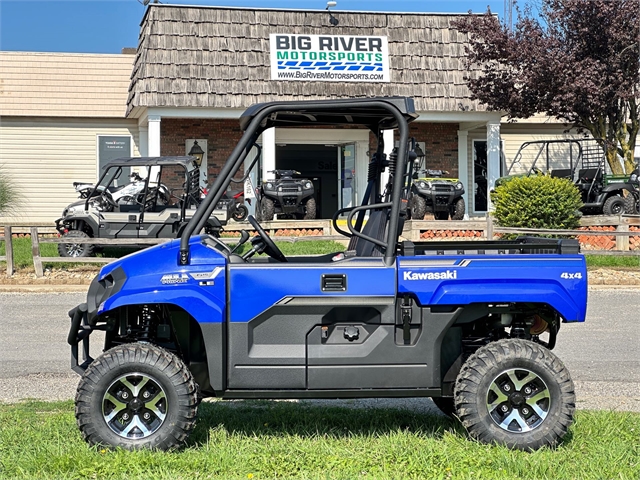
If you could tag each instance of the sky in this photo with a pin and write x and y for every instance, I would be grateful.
(107, 26)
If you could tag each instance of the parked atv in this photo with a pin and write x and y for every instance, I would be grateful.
(154, 211)
(437, 194)
(287, 197)
(237, 209)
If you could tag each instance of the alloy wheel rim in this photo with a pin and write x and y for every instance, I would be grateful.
(134, 406)
(74, 249)
(518, 400)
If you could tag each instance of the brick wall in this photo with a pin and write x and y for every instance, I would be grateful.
(221, 135)
(441, 142)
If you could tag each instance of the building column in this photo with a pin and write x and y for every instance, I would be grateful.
(143, 140)
(153, 145)
(268, 153)
(463, 170)
(493, 157)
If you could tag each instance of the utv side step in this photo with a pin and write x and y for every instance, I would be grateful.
(331, 394)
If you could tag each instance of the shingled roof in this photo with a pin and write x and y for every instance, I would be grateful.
(218, 57)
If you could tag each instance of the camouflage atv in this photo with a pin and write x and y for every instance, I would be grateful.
(436, 194)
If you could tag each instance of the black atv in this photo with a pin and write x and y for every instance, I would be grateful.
(434, 193)
(286, 197)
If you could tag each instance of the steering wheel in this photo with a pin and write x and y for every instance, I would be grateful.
(106, 196)
(270, 248)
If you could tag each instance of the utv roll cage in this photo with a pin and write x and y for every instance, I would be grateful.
(376, 114)
(187, 163)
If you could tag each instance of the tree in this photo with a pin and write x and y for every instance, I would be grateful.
(577, 60)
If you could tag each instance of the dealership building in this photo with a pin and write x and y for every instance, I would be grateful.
(196, 69)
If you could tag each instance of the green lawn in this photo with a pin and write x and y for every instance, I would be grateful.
(253, 439)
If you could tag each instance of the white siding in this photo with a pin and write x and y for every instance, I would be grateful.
(513, 135)
(64, 84)
(45, 156)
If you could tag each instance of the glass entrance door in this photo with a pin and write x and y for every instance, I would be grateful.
(346, 175)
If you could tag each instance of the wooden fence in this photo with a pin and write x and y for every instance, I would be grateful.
(8, 251)
(622, 234)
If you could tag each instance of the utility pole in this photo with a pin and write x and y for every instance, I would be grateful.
(508, 14)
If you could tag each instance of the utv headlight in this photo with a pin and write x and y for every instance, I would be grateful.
(459, 186)
(422, 184)
(308, 185)
(633, 177)
(268, 186)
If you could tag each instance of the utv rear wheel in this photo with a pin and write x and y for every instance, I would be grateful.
(457, 213)
(418, 206)
(614, 205)
(631, 204)
(267, 209)
(515, 393)
(310, 209)
(75, 250)
(137, 396)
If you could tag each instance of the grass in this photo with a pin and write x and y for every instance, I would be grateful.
(263, 439)
(612, 261)
(23, 258)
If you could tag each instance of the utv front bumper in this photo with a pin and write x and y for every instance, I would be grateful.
(439, 197)
(84, 317)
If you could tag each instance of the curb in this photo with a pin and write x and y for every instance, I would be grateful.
(43, 288)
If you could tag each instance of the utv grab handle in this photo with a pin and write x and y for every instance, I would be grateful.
(79, 331)
(76, 315)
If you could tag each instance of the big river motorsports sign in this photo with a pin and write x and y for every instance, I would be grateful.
(329, 58)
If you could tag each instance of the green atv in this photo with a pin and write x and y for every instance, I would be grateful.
(437, 194)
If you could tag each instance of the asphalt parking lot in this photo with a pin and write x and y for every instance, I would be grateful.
(602, 354)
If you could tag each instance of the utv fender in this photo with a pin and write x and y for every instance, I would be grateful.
(552, 293)
(83, 221)
(617, 189)
(203, 308)
(207, 311)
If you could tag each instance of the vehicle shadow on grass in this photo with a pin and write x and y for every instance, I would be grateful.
(311, 419)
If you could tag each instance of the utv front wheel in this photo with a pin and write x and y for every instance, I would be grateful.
(75, 250)
(137, 396)
(418, 206)
(515, 393)
(310, 209)
(614, 205)
(267, 209)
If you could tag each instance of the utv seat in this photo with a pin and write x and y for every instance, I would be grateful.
(561, 173)
(587, 177)
(376, 227)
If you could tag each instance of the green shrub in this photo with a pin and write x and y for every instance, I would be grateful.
(537, 202)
